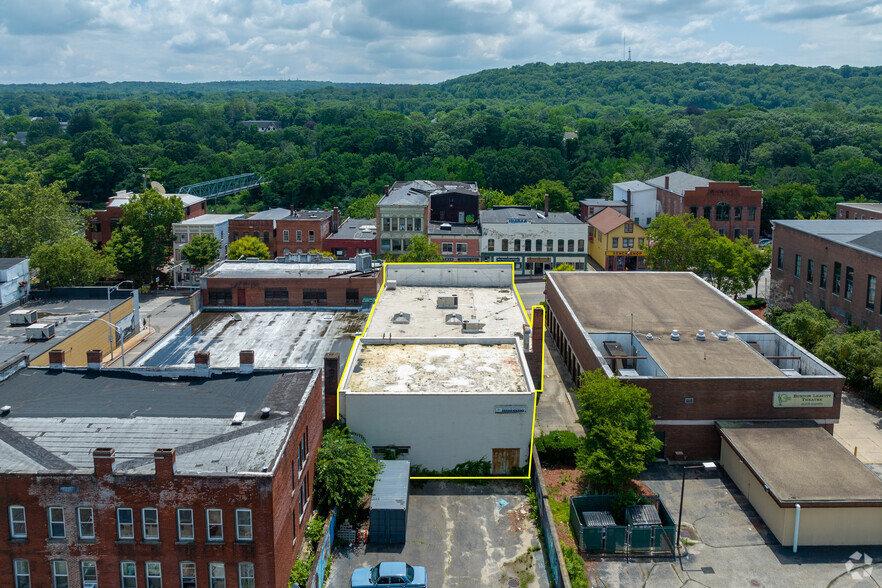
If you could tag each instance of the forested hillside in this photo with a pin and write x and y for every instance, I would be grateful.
(808, 136)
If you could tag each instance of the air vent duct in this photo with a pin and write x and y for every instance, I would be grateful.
(700, 335)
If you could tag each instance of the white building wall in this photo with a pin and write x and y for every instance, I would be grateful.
(183, 234)
(10, 278)
(525, 231)
(644, 204)
(442, 430)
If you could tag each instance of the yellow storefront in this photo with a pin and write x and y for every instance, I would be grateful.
(615, 242)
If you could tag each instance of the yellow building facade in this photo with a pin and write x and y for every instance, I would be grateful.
(616, 242)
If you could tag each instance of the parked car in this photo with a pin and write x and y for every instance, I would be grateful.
(764, 242)
(389, 574)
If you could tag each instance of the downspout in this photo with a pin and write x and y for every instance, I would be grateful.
(796, 529)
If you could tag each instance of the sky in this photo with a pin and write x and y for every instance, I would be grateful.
(413, 41)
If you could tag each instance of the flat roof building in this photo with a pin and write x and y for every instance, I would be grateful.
(356, 235)
(701, 356)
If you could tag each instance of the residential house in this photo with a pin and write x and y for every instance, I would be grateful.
(615, 242)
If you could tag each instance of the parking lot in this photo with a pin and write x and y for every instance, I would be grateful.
(463, 536)
(730, 546)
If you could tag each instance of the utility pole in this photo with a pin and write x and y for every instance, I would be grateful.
(144, 174)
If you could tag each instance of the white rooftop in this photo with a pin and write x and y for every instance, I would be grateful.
(209, 219)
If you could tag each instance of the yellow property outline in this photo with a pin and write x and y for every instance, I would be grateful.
(536, 391)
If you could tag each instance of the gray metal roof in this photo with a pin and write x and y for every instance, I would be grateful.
(8, 262)
(457, 229)
(351, 229)
(868, 206)
(271, 214)
(864, 235)
(416, 192)
(209, 219)
(391, 486)
(602, 202)
(636, 185)
(404, 196)
(679, 182)
(503, 215)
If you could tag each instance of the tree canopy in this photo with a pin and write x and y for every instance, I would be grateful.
(248, 246)
(71, 261)
(201, 250)
(420, 250)
(344, 472)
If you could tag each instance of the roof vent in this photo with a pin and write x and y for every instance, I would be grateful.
(447, 300)
(4, 410)
(649, 337)
(675, 335)
(401, 318)
(723, 335)
(472, 327)
(391, 284)
(700, 335)
(265, 412)
(238, 418)
(252, 259)
(445, 227)
(453, 318)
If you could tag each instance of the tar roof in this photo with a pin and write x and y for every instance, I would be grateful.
(864, 235)
(271, 214)
(59, 417)
(801, 462)
(437, 369)
(679, 182)
(435, 228)
(607, 220)
(504, 215)
(8, 262)
(404, 196)
(364, 229)
(275, 269)
(279, 339)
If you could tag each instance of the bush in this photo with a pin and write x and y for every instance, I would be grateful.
(624, 499)
(558, 447)
(314, 530)
(752, 303)
(575, 568)
(300, 572)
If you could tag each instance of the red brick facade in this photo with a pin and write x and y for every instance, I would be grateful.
(301, 232)
(844, 210)
(740, 217)
(100, 227)
(458, 247)
(818, 258)
(277, 528)
(339, 291)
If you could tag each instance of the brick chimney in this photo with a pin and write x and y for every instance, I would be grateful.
(386, 189)
(202, 359)
(104, 461)
(164, 463)
(335, 222)
(331, 380)
(246, 361)
(56, 359)
(546, 205)
(292, 210)
(628, 205)
(94, 359)
(534, 357)
(667, 182)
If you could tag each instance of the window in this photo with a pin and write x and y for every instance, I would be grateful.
(21, 568)
(275, 296)
(581, 245)
(446, 247)
(560, 245)
(837, 277)
(505, 244)
(615, 242)
(235, 236)
(549, 245)
(265, 237)
(154, 574)
(517, 244)
(315, 297)
(627, 243)
(128, 574)
(150, 524)
(86, 520)
(738, 213)
(353, 296)
(693, 210)
(125, 523)
(185, 524)
(640, 242)
(386, 226)
(528, 245)
(59, 574)
(871, 292)
(491, 244)
(220, 297)
(722, 211)
(216, 576)
(409, 224)
(823, 283)
(707, 212)
(243, 524)
(849, 282)
(797, 268)
(214, 521)
(810, 271)
(298, 235)
(417, 224)
(463, 248)
(89, 571)
(302, 501)
(188, 574)
(18, 527)
(751, 213)
(750, 233)
(736, 233)
(571, 246)
(780, 258)
(538, 244)
(56, 522)
(629, 227)
(722, 231)
(286, 235)
(246, 575)
(385, 245)
(312, 236)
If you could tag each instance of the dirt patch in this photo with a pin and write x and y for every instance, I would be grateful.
(519, 572)
(519, 518)
(566, 480)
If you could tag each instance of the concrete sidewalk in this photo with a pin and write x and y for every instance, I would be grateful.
(556, 410)
(860, 426)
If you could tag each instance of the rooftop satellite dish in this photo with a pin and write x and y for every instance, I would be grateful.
(157, 186)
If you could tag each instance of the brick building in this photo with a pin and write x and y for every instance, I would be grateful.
(859, 210)
(456, 241)
(701, 362)
(334, 284)
(591, 206)
(100, 228)
(125, 479)
(732, 210)
(833, 264)
(355, 235)
(288, 231)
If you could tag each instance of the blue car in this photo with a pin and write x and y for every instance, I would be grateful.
(389, 574)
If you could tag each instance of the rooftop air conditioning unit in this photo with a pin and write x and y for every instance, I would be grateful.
(39, 331)
(472, 327)
(238, 418)
(447, 300)
(445, 227)
(391, 284)
(363, 262)
(723, 335)
(22, 317)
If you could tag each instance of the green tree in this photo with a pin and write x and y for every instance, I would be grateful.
(620, 440)
(31, 213)
(728, 268)
(421, 250)
(675, 143)
(201, 250)
(248, 246)
(151, 216)
(495, 198)
(758, 259)
(560, 199)
(564, 267)
(679, 243)
(805, 324)
(856, 355)
(364, 207)
(126, 249)
(344, 473)
(72, 261)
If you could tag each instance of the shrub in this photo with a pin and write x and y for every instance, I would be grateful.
(624, 499)
(752, 303)
(300, 572)
(575, 568)
(314, 530)
(558, 447)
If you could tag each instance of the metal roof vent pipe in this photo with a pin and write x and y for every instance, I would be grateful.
(700, 335)
(724, 335)
(675, 335)
(265, 412)
(649, 337)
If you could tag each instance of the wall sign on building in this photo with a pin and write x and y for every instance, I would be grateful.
(802, 399)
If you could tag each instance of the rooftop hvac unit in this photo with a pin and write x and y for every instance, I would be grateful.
(22, 317)
(238, 418)
(363, 262)
(252, 259)
(700, 335)
(472, 327)
(391, 284)
(40, 331)
(447, 300)
(445, 227)
(627, 373)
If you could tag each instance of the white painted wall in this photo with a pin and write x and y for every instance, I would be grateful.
(644, 203)
(442, 430)
(451, 275)
(10, 291)
(523, 231)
